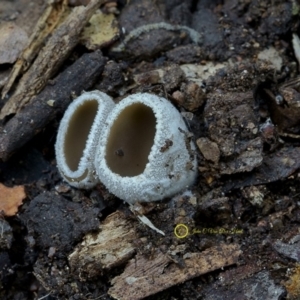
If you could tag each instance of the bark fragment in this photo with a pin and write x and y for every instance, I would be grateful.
(291, 250)
(109, 248)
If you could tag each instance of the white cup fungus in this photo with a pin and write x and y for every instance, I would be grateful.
(77, 138)
(145, 152)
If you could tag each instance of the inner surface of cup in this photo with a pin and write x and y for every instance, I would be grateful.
(78, 131)
(130, 140)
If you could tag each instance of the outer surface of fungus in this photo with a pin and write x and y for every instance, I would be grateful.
(144, 153)
(78, 135)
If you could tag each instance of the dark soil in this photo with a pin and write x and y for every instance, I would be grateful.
(248, 168)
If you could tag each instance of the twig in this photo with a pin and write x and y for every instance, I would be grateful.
(36, 115)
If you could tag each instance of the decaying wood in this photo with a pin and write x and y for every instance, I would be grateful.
(111, 247)
(50, 58)
(144, 277)
(44, 27)
(52, 101)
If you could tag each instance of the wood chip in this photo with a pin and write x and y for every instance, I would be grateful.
(276, 166)
(101, 30)
(11, 199)
(143, 277)
(111, 247)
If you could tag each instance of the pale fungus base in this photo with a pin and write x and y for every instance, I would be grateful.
(78, 130)
(78, 179)
(130, 140)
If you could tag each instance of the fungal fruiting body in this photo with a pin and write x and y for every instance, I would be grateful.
(144, 152)
(78, 135)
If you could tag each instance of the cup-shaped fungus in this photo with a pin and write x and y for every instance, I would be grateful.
(78, 134)
(144, 152)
